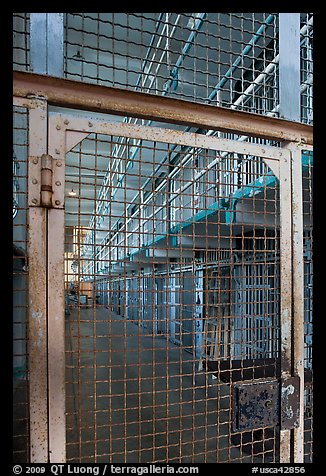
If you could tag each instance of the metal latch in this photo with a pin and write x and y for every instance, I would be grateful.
(266, 403)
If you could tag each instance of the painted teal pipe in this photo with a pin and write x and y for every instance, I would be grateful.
(174, 73)
(246, 50)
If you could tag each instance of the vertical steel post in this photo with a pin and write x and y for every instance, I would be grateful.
(56, 301)
(289, 66)
(37, 309)
(290, 108)
(286, 290)
(298, 292)
(46, 43)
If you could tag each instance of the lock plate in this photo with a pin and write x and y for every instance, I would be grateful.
(255, 405)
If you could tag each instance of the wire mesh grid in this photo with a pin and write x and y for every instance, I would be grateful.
(308, 302)
(306, 60)
(230, 59)
(172, 296)
(225, 58)
(20, 287)
(21, 37)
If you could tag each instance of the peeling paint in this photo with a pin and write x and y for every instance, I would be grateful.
(37, 315)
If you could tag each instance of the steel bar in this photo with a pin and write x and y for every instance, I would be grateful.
(289, 66)
(46, 43)
(56, 301)
(298, 293)
(159, 134)
(286, 328)
(68, 93)
(37, 244)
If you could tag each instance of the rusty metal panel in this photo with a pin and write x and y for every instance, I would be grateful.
(256, 405)
(290, 408)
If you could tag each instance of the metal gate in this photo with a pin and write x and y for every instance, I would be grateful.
(195, 354)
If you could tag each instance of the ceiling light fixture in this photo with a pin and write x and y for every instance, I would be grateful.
(72, 193)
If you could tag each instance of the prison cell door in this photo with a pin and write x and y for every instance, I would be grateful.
(132, 299)
(149, 304)
(174, 308)
(257, 306)
(100, 411)
(187, 319)
(218, 335)
(161, 318)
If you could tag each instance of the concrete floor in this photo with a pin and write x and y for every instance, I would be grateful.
(132, 397)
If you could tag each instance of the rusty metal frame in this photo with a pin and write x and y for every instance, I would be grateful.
(286, 291)
(78, 128)
(92, 97)
(298, 292)
(56, 316)
(66, 131)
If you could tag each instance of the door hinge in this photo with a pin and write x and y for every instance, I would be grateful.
(45, 182)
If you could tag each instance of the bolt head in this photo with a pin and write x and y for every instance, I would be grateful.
(35, 161)
(57, 202)
(66, 122)
(90, 124)
(34, 181)
(59, 164)
(58, 183)
(34, 200)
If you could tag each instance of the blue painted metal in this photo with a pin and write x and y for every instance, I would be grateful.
(307, 160)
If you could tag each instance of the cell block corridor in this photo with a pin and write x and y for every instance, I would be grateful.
(162, 238)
